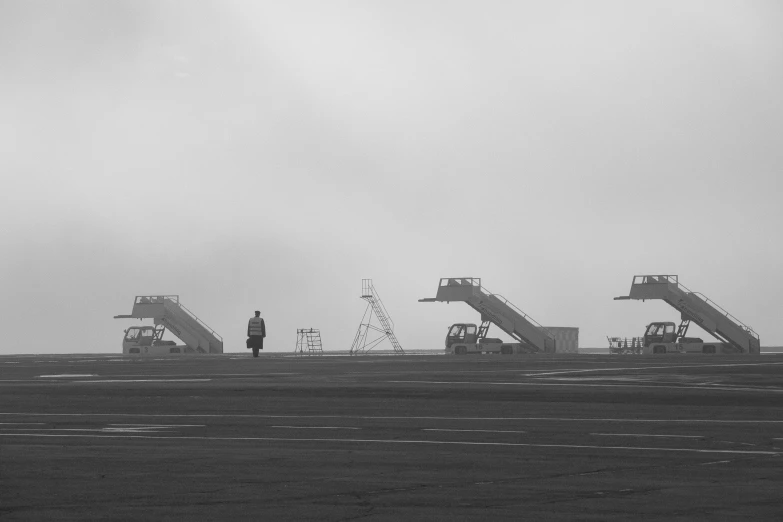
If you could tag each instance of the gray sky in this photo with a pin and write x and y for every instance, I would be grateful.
(269, 155)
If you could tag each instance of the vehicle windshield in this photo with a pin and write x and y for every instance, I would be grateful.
(655, 329)
(457, 331)
(132, 334)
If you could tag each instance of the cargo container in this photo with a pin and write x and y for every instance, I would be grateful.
(566, 338)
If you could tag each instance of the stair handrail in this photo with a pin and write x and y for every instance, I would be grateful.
(199, 321)
(661, 279)
(518, 310)
(747, 329)
(159, 299)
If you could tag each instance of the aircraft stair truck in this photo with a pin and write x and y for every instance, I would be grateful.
(465, 338)
(661, 337)
(148, 339)
(167, 312)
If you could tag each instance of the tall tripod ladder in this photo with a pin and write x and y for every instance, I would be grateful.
(362, 343)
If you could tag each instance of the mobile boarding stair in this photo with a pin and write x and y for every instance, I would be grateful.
(166, 310)
(696, 307)
(497, 310)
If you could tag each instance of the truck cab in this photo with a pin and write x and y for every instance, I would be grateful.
(663, 332)
(461, 333)
(147, 340)
(662, 337)
(466, 338)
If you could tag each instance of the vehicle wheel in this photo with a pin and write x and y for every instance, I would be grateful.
(659, 349)
(255, 351)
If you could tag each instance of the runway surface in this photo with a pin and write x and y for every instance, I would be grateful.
(577, 437)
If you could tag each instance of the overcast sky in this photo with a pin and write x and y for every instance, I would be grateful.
(270, 155)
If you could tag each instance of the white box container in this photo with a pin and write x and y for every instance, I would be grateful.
(566, 338)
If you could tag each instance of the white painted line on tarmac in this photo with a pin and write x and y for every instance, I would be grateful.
(391, 417)
(401, 441)
(649, 435)
(136, 429)
(317, 427)
(142, 380)
(195, 375)
(109, 429)
(481, 431)
(715, 462)
(56, 429)
(587, 385)
(159, 425)
(68, 375)
(521, 368)
(634, 368)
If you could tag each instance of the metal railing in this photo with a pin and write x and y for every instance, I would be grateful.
(460, 281)
(519, 311)
(155, 299)
(200, 322)
(625, 344)
(747, 329)
(655, 279)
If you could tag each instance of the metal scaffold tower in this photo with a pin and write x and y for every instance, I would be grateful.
(308, 342)
(363, 343)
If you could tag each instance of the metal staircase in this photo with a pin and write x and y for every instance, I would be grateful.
(308, 342)
(362, 342)
(496, 309)
(166, 310)
(696, 307)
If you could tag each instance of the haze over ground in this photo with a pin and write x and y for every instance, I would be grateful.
(268, 155)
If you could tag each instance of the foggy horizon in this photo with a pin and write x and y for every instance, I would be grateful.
(256, 156)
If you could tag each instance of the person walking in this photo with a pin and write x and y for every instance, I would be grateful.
(256, 331)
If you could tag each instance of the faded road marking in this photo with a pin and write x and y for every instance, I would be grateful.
(583, 370)
(401, 441)
(649, 435)
(481, 431)
(390, 417)
(142, 380)
(161, 425)
(586, 385)
(68, 375)
(317, 427)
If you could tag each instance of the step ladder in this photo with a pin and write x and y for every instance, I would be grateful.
(308, 342)
(362, 342)
(483, 329)
(682, 330)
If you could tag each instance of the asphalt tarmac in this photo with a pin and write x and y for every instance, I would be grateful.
(579, 437)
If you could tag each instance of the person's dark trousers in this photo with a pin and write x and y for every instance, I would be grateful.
(256, 342)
